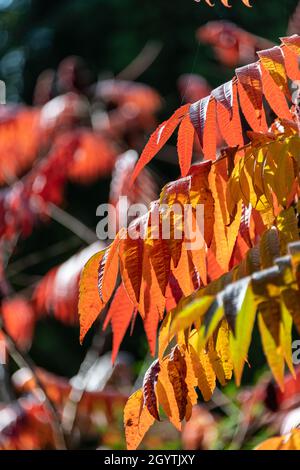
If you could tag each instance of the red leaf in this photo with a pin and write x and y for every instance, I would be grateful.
(151, 322)
(120, 312)
(291, 61)
(273, 61)
(158, 139)
(203, 117)
(229, 121)
(210, 132)
(224, 95)
(131, 258)
(292, 43)
(149, 384)
(275, 96)
(108, 269)
(156, 248)
(19, 320)
(198, 113)
(251, 95)
(152, 302)
(185, 143)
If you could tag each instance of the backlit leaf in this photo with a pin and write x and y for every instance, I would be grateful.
(137, 420)
(90, 304)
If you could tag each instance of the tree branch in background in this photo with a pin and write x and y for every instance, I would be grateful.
(142, 61)
(23, 361)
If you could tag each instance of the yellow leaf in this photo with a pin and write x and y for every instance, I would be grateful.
(137, 420)
(225, 234)
(193, 312)
(241, 339)
(191, 382)
(291, 298)
(273, 61)
(223, 350)
(269, 247)
(287, 225)
(210, 323)
(177, 370)
(284, 176)
(166, 396)
(215, 358)
(164, 333)
(203, 369)
(269, 319)
(286, 325)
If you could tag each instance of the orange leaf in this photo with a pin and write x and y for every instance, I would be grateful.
(203, 117)
(151, 322)
(224, 235)
(191, 382)
(166, 396)
(158, 139)
(200, 173)
(152, 303)
(90, 304)
(176, 196)
(137, 420)
(273, 61)
(224, 95)
(251, 96)
(293, 43)
(156, 249)
(108, 269)
(120, 312)
(183, 273)
(19, 320)
(291, 61)
(177, 371)
(185, 143)
(198, 112)
(275, 96)
(274, 443)
(210, 132)
(149, 384)
(131, 264)
(229, 121)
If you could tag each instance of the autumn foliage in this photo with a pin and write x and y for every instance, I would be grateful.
(208, 298)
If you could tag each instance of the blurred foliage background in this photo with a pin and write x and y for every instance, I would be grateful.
(108, 35)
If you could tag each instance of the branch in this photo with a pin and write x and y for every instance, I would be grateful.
(142, 61)
(23, 361)
(37, 257)
(69, 413)
(71, 223)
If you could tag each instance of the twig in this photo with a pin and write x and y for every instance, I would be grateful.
(243, 425)
(23, 361)
(142, 61)
(6, 395)
(71, 223)
(38, 256)
(69, 413)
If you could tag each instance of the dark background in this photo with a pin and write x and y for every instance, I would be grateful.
(108, 35)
